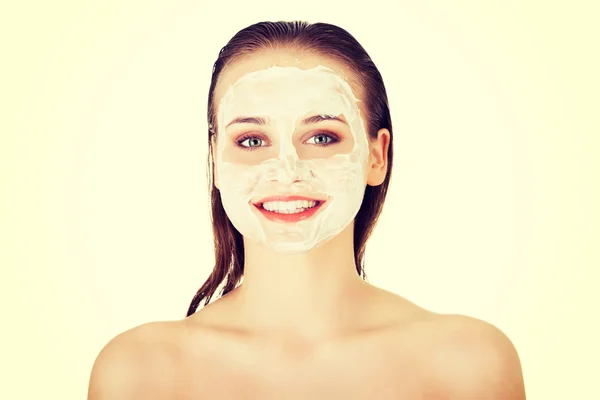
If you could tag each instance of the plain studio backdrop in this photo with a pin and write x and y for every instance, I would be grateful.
(492, 213)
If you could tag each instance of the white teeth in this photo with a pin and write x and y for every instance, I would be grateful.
(289, 207)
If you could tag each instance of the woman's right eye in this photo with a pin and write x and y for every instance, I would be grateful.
(250, 143)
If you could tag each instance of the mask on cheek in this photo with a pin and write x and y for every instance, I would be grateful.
(335, 184)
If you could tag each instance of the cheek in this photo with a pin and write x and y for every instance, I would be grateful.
(237, 179)
(235, 155)
(340, 173)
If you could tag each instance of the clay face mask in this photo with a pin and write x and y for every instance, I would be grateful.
(269, 143)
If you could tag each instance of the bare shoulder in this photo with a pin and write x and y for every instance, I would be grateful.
(135, 364)
(470, 358)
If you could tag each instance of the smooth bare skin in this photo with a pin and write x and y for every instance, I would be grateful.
(308, 327)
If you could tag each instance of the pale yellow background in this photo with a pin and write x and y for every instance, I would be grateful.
(493, 209)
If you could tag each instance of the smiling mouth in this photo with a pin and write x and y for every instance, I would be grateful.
(288, 208)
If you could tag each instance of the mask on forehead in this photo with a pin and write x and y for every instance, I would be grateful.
(284, 96)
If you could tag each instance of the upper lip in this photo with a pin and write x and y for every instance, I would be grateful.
(286, 198)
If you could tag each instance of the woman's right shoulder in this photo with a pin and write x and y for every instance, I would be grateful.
(127, 366)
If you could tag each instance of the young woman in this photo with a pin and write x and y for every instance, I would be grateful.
(300, 141)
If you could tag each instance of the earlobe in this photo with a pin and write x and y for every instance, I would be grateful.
(378, 158)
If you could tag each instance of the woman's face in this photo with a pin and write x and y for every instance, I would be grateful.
(291, 150)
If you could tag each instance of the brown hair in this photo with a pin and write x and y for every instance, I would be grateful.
(330, 41)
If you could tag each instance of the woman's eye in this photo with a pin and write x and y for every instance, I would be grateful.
(322, 139)
(251, 142)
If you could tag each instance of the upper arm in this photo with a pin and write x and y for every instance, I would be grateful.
(118, 372)
(478, 361)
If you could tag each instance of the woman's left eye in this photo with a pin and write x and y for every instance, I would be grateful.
(322, 139)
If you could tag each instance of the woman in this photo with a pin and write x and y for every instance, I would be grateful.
(300, 141)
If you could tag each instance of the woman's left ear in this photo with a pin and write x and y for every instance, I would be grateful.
(378, 157)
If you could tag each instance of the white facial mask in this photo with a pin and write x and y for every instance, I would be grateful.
(283, 96)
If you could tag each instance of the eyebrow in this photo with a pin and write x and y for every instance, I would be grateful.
(248, 120)
(306, 121)
(322, 117)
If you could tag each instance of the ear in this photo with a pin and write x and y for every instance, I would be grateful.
(378, 158)
(214, 160)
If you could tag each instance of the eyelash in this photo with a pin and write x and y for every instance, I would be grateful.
(334, 139)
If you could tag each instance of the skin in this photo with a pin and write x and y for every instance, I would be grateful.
(328, 335)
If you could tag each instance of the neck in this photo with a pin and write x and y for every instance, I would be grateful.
(311, 295)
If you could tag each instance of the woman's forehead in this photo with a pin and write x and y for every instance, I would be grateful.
(285, 90)
(280, 58)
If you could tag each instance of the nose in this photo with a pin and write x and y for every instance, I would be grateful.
(289, 163)
(290, 170)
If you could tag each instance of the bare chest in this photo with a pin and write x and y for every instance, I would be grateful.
(352, 372)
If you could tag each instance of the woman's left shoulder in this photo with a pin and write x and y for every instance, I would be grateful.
(471, 357)
(460, 327)
(465, 333)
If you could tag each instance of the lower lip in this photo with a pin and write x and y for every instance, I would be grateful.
(296, 217)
